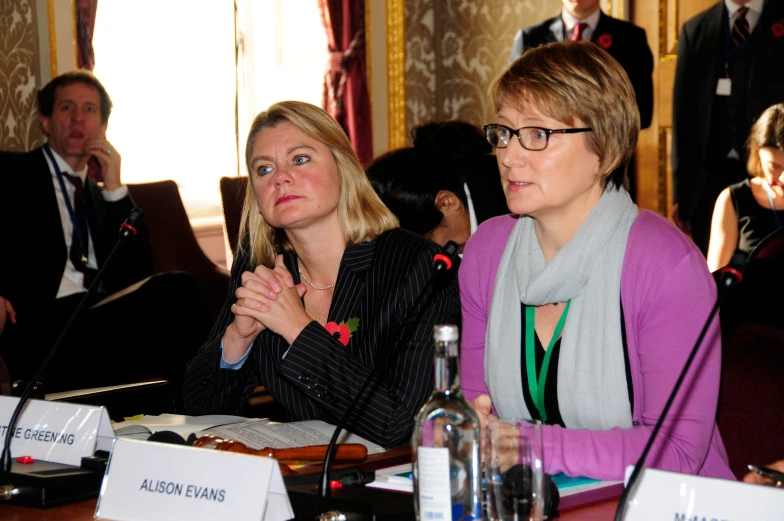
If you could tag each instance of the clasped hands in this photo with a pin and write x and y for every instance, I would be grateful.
(266, 299)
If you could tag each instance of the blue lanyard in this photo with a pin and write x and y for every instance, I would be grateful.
(68, 204)
(768, 191)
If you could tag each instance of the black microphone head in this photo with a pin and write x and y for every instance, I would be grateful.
(132, 222)
(443, 259)
(732, 273)
(136, 217)
(167, 437)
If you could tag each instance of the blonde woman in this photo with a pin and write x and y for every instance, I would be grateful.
(322, 289)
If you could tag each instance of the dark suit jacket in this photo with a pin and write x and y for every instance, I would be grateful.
(627, 44)
(378, 283)
(31, 235)
(700, 64)
(487, 194)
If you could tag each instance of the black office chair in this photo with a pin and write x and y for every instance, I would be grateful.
(751, 410)
(232, 198)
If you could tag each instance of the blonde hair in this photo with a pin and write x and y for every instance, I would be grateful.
(362, 214)
(577, 80)
(767, 131)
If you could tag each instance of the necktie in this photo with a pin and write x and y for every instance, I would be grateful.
(80, 238)
(740, 28)
(577, 31)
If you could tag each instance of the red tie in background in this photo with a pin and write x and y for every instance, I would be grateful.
(577, 32)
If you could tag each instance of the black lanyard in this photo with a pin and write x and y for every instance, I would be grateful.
(68, 205)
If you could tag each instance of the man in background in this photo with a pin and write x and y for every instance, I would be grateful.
(624, 41)
(57, 228)
(729, 71)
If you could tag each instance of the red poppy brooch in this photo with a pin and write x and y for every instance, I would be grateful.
(343, 331)
(777, 29)
(605, 41)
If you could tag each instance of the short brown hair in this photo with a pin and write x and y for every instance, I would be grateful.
(362, 214)
(767, 131)
(577, 80)
(47, 95)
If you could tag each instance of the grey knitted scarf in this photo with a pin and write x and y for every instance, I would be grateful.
(592, 389)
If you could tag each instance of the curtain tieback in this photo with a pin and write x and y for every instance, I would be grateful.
(338, 62)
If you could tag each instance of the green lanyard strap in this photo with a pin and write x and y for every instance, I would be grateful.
(536, 386)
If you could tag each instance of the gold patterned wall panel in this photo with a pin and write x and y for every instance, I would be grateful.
(19, 75)
(454, 49)
(420, 61)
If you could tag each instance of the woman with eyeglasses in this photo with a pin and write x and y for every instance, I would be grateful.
(580, 309)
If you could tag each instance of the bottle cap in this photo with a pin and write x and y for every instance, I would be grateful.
(446, 333)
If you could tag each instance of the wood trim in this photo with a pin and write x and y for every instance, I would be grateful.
(664, 54)
(665, 136)
(396, 73)
(50, 17)
(75, 34)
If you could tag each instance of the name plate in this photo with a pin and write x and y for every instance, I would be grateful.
(147, 481)
(681, 497)
(56, 431)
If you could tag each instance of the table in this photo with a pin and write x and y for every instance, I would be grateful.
(84, 510)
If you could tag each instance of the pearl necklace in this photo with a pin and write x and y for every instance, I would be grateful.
(311, 284)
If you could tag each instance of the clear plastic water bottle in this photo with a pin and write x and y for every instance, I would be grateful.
(446, 440)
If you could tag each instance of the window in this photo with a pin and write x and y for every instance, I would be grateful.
(169, 67)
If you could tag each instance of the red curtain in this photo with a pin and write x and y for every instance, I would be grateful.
(85, 23)
(346, 95)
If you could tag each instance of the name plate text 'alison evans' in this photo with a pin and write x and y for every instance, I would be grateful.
(55, 431)
(159, 482)
(682, 497)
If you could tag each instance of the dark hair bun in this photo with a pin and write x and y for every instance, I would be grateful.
(456, 140)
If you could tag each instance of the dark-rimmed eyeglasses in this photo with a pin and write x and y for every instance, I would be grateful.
(530, 138)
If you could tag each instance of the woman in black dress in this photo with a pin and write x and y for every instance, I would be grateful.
(749, 211)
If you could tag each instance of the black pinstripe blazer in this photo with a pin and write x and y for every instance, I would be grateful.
(378, 282)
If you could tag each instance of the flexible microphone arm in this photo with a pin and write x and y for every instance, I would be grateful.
(442, 262)
(127, 229)
(731, 275)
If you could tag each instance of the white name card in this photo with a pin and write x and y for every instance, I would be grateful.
(147, 481)
(682, 497)
(58, 432)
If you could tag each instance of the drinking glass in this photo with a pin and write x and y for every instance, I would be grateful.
(514, 471)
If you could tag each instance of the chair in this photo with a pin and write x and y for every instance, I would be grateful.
(771, 247)
(759, 297)
(232, 197)
(173, 243)
(751, 408)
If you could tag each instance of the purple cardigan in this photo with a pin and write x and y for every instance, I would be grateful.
(667, 293)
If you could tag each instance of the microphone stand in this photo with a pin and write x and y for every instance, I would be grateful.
(731, 275)
(443, 261)
(127, 229)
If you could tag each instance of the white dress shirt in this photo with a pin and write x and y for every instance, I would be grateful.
(752, 15)
(73, 279)
(570, 21)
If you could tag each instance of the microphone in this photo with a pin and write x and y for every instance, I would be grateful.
(442, 261)
(127, 229)
(731, 275)
(168, 437)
